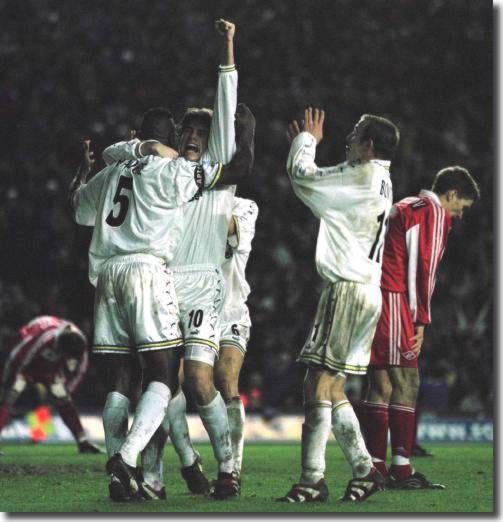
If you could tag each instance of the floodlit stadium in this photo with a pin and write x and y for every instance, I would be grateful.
(89, 71)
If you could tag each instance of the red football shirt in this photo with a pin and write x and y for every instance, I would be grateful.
(414, 245)
(37, 356)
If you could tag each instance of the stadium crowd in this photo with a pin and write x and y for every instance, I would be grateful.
(79, 70)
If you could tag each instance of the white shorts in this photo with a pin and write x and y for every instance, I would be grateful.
(200, 290)
(343, 328)
(135, 307)
(236, 335)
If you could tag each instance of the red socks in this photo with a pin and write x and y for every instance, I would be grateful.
(402, 425)
(376, 433)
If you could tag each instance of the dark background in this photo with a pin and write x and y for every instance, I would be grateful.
(73, 70)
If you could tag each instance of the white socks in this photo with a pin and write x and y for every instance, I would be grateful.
(214, 419)
(315, 433)
(152, 455)
(150, 412)
(347, 433)
(179, 430)
(115, 421)
(236, 416)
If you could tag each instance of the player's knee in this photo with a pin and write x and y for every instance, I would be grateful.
(199, 380)
(379, 391)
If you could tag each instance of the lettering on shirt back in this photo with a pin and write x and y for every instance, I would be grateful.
(386, 190)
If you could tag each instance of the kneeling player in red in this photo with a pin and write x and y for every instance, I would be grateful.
(53, 352)
(414, 245)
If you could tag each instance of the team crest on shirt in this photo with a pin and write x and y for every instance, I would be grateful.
(408, 355)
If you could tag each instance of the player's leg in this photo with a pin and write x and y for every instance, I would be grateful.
(160, 374)
(376, 417)
(402, 418)
(147, 309)
(227, 370)
(357, 311)
(201, 295)
(211, 408)
(174, 424)
(376, 407)
(317, 406)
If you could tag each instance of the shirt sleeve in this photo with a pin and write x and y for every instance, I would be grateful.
(222, 137)
(87, 197)
(24, 352)
(313, 185)
(245, 212)
(123, 150)
(425, 239)
(183, 180)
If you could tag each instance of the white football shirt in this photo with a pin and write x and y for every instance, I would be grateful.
(352, 201)
(206, 219)
(245, 212)
(135, 206)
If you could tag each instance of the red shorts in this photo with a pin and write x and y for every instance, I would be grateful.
(395, 329)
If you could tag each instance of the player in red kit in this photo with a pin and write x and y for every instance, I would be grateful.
(53, 352)
(415, 242)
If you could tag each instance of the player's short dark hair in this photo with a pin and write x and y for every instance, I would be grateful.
(456, 178)
(383, 133)
(196, 113)
(71, 343)
(158, 124)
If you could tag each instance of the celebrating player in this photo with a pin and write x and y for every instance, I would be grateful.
(210, 136)
(414, 245)
(352, 201)
(136, 306)
(235, 324)
(53, 352)
(234, 335)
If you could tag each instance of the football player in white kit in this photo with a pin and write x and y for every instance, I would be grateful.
(197, 261)
(352, 201)
(135, 209)
(235, 324)
(235, 327)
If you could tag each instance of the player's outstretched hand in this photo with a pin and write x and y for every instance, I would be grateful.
(293, 131)
(88, 160)
(245, 120)
(313, 122)
(225, 28)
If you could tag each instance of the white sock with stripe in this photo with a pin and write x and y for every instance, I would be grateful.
(315, 433)
(215, 420)
(149, 414)
(115, 421)
(348, 435)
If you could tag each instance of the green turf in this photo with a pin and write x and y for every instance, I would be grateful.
(47, 478)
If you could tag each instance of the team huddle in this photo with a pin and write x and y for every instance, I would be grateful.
(168, 254)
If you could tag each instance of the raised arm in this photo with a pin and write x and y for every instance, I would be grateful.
(83, 171)
(222, 139)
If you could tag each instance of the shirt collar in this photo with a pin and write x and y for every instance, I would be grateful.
(431, 195)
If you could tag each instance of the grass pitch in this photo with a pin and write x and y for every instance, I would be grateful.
(50, 478)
